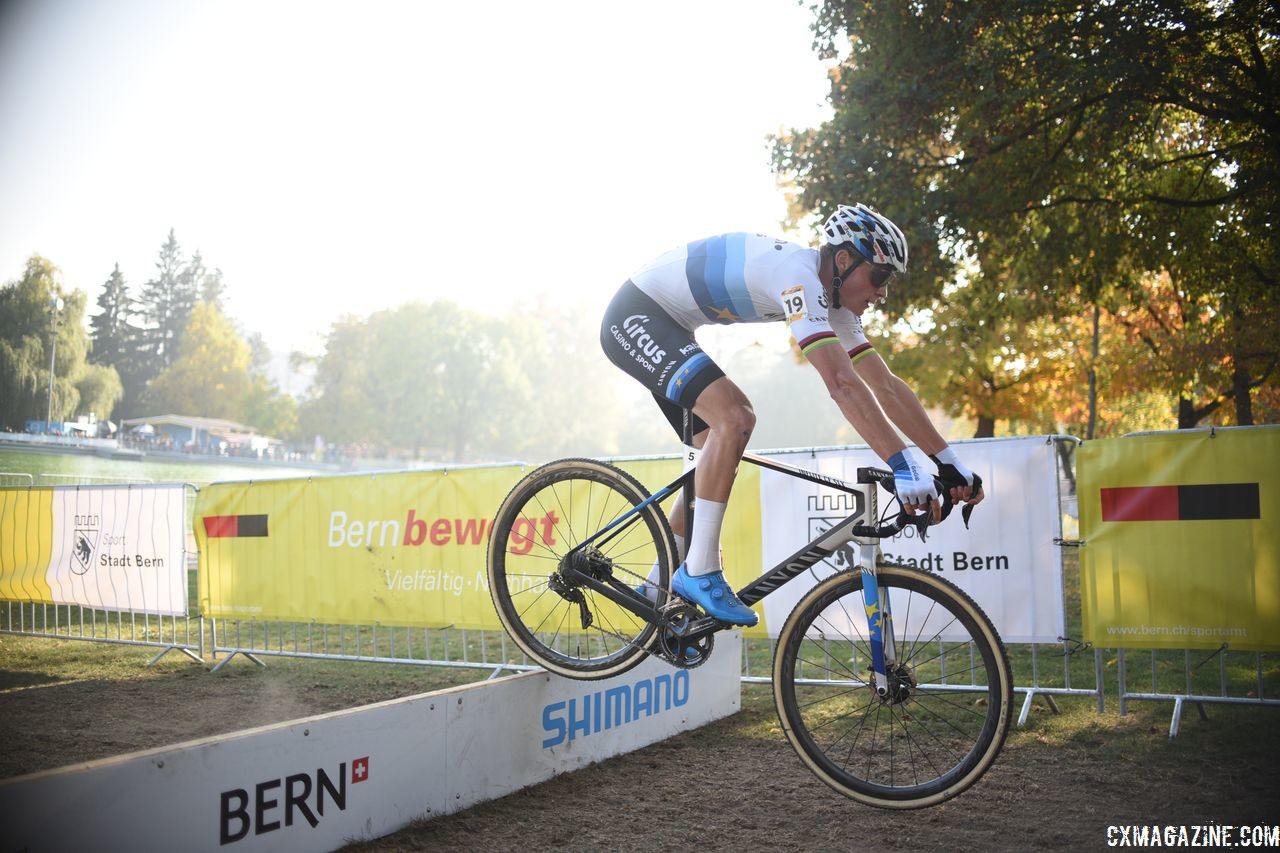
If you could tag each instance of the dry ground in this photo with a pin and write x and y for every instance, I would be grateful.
(731, 785)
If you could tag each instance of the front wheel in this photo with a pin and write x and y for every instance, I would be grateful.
(950, 699)
(567, 627)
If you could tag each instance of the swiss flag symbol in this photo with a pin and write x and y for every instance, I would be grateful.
(360, 770)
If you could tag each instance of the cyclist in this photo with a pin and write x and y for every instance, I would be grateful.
(648, 332)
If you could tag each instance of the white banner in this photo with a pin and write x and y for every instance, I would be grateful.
(120, 548)
(322, 782)
(1007, 560)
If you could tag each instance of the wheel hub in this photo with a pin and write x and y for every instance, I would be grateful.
(589, 561)
(902, 684)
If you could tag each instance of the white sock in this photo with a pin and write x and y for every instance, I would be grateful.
(704, 546)
(651, 582)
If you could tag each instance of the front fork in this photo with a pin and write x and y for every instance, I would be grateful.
(879, 617)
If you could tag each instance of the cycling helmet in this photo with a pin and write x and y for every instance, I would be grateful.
(872, 235)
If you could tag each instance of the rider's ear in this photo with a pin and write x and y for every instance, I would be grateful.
(843, 260)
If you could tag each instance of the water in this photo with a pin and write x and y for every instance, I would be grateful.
(66, 467)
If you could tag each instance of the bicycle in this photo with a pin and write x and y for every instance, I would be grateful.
(891, 683)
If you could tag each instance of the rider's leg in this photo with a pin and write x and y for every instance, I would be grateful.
(731, 419)
(700, 579)
(677, 507)
(649, 588)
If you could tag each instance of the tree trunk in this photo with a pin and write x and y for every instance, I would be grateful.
(1189, 417)
(1244, 403)
(986, 427)
(1186, 413)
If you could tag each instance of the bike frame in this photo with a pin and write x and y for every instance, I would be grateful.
(857, 526)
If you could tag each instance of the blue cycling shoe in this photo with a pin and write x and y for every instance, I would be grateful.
(712, 593)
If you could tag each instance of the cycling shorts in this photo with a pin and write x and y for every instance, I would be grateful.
(645, 343)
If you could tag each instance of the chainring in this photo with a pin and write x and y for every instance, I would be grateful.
(678, 653)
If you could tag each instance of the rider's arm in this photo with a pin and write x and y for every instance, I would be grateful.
(903, 407)
(855, 399)
(914, 486)
(900, 403)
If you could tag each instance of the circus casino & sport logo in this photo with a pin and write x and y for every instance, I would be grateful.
(83, 539)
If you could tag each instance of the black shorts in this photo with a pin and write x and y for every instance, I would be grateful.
(650, 347)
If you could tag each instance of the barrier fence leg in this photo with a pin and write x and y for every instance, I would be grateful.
(220, 664)
(168, 649)
(1026, 708)
(1097, 678)
(1122, 688)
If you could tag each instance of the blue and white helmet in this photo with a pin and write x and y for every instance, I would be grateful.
(871, 234)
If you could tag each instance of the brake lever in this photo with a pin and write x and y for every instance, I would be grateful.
(920, 521)
(948, 503)
(968, 507)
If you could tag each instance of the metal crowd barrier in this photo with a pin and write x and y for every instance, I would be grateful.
(184, 634)
(442, 647)
(1196, 679)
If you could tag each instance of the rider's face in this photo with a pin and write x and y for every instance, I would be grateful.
(866, 284)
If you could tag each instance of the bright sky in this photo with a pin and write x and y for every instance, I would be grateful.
(335, 158)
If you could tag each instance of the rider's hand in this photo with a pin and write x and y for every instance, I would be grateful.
(914, 486)
(956, 476)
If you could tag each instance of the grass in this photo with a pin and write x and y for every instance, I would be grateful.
(27, 661)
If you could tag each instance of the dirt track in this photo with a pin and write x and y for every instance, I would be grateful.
(753, 792)
(1058, 785)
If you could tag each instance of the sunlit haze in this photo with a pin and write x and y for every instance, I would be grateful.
(341, 158)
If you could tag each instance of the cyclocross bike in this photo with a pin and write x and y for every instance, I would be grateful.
(890, 682)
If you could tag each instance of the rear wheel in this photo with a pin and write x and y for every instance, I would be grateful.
(569, 628)
(950, 699)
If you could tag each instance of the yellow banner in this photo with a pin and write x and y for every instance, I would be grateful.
(26, 544)
(404, 548)
(1182, 539)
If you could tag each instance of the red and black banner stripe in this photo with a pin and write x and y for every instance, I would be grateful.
(234, 526)
(1210, 502)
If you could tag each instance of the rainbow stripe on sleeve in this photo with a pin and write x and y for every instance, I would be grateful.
(820, 339)
(860, 351)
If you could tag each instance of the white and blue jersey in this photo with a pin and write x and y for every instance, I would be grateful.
(749, 278)
(730, 278)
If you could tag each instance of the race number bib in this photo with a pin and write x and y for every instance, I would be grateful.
(793, 303)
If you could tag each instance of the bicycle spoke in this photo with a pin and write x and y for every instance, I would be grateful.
(585, 512)
(914, 737)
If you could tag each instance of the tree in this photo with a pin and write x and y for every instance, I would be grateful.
(99, 388)
(438, 377)
(436, 381)
(1070, 150)
(264, 406)
(40, 323)
(213, 289)
(219, 374)
(337, 409)
(116, 338)
(165, 304)
(210, 374)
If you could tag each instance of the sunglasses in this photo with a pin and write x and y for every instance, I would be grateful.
(882, 276)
